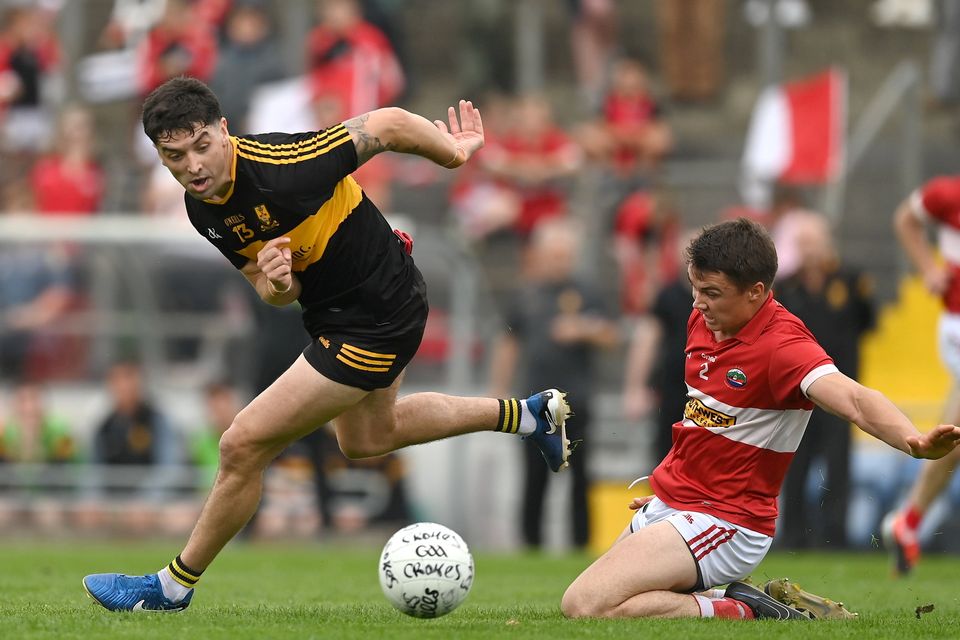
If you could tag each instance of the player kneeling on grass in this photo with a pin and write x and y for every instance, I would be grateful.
(284, 209)
(753, 375)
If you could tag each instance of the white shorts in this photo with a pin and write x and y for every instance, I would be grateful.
(723, 552)
(948, 342)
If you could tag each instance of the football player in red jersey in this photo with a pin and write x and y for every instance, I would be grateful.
(753, 375)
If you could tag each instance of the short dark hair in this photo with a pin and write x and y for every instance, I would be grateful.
(179, 104)
(740, 249)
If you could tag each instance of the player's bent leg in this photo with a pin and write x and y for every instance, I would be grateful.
(646, 574)
(298, 402)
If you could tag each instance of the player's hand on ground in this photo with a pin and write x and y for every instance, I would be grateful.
(936, 443)
(275, 260)
(466, 132)
(638, 503)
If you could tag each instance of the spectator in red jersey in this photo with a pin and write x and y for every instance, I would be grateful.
(181, 43)
(753, 374)
(69, 180)
(631, 136)
(644, 240)
(29, 60)
(350, 58)
(532, 160)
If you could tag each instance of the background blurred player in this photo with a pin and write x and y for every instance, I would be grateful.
(284, 209)
(937, 202)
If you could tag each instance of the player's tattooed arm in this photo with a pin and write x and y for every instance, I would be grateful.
(366, 140)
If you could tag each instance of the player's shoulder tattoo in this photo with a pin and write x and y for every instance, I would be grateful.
(368, 145)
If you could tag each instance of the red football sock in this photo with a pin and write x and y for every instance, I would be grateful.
(912, 517)
(723, 608)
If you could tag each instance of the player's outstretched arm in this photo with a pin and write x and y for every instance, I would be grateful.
(395, 129)
(875, 414)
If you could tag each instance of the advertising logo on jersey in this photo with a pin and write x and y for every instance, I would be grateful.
(703, 416)
(736, 378)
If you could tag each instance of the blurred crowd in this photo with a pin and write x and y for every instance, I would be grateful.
(552, 185)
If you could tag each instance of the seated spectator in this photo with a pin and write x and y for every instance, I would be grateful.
(31, 433)
(221, 407)
(249, 57)
(134, 433)
(37, 287)
(632, 136)
(532, 160)
(69, 180)
(350, 57)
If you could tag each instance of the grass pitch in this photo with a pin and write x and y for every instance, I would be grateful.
(322, 591)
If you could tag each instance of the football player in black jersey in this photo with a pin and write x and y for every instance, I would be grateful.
(284, 209)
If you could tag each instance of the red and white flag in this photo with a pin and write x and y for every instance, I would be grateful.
(797, 132)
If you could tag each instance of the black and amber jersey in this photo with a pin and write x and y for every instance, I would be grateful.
(351, 267)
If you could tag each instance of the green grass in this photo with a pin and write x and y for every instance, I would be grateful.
(317, 591)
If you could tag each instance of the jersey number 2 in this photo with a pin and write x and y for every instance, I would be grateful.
(703, 370)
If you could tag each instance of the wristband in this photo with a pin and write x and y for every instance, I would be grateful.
(456, 154)
(272, 289)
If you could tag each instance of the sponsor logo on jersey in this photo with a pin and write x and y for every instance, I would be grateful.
(266, 220)
(213, 234)
(232, 220)
(703, 416)
(736, 378)
(324, 342)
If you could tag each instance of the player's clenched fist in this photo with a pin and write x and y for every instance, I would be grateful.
(276, 262)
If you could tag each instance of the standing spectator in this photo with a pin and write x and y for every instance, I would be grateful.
(181, 43)
(556, 326)
(29, 60)
(945, 55)
(632, 136)
(836, 303)
(69, 180)
(593, 39)
(532, 160)
(349, 57)
(249, 56)
(653, 379)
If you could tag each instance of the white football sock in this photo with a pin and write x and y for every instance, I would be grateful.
(528, 421)
(172, 590)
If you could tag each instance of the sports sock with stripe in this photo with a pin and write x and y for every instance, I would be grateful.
(177, 579)
(723, 608)
(516, 417)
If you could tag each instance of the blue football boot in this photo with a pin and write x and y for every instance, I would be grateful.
(118, 592)
(550, 408)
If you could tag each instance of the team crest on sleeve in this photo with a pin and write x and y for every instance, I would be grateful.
(736, 378)
(267, 222)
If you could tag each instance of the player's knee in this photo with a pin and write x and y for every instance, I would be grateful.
(237, 450)
(576, 604)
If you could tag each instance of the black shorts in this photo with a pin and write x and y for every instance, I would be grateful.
(372, 356)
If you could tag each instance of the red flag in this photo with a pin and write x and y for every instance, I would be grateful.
(797, 131)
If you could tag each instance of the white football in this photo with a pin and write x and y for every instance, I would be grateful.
(426, 570)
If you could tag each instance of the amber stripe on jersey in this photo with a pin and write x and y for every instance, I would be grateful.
(319, 137)
(298, 148)
(284, 156)
(509, 419)
(365, 360)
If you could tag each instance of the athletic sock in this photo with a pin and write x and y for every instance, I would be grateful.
(912, 517)
(723, 608)
(516, 417)
(177, 580)
(713, 594)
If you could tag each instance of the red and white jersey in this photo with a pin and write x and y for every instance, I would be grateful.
(939, 200)
(745, 415)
